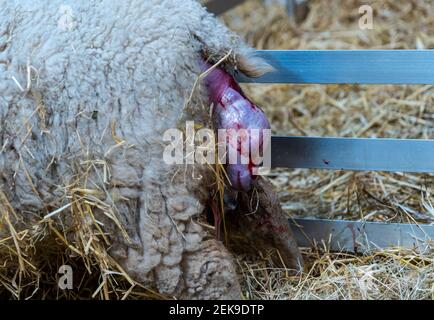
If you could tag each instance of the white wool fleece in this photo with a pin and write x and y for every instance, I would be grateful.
(100, 87)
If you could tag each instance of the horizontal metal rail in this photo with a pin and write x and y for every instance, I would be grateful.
(402, 155)
(360, 236)
(347, 67)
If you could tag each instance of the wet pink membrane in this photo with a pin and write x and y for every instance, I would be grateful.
(234, 111)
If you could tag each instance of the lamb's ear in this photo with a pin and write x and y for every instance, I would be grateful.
(252, 65)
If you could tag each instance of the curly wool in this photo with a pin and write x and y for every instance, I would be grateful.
(123, 71)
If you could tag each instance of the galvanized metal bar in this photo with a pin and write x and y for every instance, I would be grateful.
(402, 155)
(348, 67)
(221, 6)
(359, 237)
